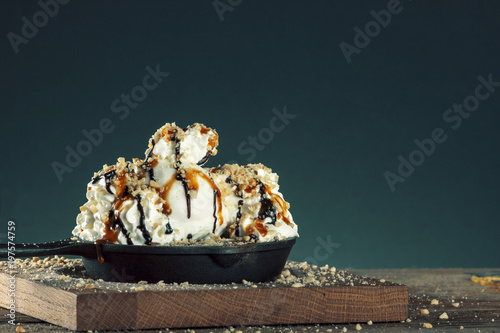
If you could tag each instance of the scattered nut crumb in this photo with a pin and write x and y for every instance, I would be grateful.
(89, 286)
(370, 322)
(461, 327)
(358, 327)
(434, 302)
(424, 311)
(344, 329)
(20, 329)
(382, 280)
(142, 282)
(297, 285)
(427, 325)
(408, 320)
(443, 315)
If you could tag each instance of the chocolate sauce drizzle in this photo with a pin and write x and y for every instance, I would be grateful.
(142, 226)
(146, 164)
(115, 222)
(204, 159)
(238, 218)
(239, 193)
(180, 175)
(216, 194)
(267, 208)
(168, 228)
(107, 179)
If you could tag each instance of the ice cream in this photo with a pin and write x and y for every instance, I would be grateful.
(252, 204)
(168, 196)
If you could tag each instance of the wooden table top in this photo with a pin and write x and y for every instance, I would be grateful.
(472, 306)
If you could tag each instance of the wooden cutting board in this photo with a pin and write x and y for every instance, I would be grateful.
(56, 293)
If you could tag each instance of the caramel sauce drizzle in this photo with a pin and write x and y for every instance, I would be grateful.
(189, 178)
(266, 210)
(192, 183)
(113, 225)
(164, 194)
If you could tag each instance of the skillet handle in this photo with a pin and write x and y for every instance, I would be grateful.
(65, 246)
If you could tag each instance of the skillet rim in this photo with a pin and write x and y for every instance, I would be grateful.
(189, 249)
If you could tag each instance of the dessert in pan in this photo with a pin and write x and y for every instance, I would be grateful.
(166, 217)
(169, 196)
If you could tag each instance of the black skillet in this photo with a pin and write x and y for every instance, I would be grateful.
(256, 262)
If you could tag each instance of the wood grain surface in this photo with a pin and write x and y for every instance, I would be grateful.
(125, 306)
(479, 310)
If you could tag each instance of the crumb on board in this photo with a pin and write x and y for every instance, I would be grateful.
(443, 315)
(486, 280)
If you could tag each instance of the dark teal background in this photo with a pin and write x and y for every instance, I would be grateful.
(352, 120)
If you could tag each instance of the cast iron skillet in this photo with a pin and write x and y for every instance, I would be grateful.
(256, 262)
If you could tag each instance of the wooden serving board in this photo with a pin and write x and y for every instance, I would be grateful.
(311, 295)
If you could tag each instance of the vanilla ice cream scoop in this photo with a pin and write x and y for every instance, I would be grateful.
(252, 203)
